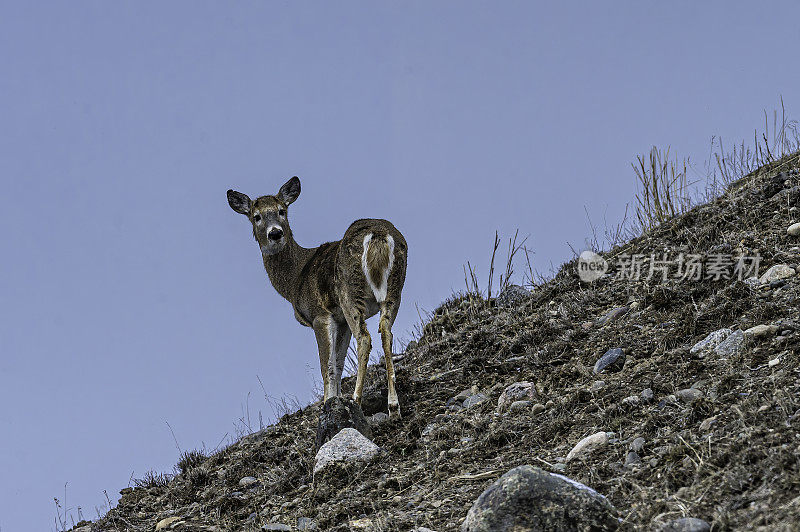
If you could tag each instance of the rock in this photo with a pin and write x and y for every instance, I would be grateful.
(527, 498)
(731, 345)
(612, 315)
(587, 445)
(597, 386)
(774, 362)
(706, 424)
(275, 527)
(519, 406)
(537, 409)
(686, 524)
(339, 413)
(778, 272)
(378, 418)
(711, 341)
(474, 399)
(422, 529)
(637, 445)
(248, 482)
(347, 447)
(518, 391)
(164, 524)
(689, 395)
(631, 400)
(647, 395)
(760, 332)
(794, 229)
(612, 360)
(512, 295)
(752, 282)
(306, 523)
(632, 459)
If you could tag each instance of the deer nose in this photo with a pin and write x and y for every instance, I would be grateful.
(275, 233)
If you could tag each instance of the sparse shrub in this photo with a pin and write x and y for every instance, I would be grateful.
(190, 460)
(663, 188)
(151, 479)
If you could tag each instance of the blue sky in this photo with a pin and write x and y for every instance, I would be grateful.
(132, 296)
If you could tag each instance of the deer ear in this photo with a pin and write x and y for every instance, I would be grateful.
(239, 202)
(289, 191)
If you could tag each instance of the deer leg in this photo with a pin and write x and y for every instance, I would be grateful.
(341, 344)
(388, 315)
(355, 320)
(325, 332)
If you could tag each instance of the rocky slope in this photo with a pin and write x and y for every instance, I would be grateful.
(663, 428)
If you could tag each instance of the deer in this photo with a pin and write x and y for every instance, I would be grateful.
(333, 288)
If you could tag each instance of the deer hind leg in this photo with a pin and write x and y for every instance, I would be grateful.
(324, 330)
(358, 326)
(341, 344)
(388, 315)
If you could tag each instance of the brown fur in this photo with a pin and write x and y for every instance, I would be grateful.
(327, 287)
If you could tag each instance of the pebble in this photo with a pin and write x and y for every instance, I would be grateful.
(686, 524)
(637, 445)
(474, 399)
(612, 360)
(647, 395)
(378, 418)
(537, 409)
(588, 445)
(598, 385)
(518, 391)
(275, 527)
(632, 459)
(711, 341)
(247, 482)
(731, 345)
(612, 315)
(689, 395)
(306, 523)
(632, 400)
(794, 229)
(778, 272)
(706, 424)
(774, 362)
(164, 523)
(519, 406)
(760, 331)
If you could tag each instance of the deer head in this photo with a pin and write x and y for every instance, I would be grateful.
(269, 215)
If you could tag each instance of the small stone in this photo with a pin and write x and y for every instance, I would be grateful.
(686, 524)
(164, 523)
(537, 409)
(348, 446)
(275, 527)
(598, 385)
(306, 523)
(774, 362)
(711, 341)
(248, 482)
(518, 391)
(778, 272)
(512, 295)
(637, 445)
(632, 459)
(689, 395)
(794, 229)
(731, 345)
(760, 331)
(378, 418)
(519, 406)
(474, 399)
(647, 395)
(706, 424)
(587, 445)
(631, 400)
(612, 315)
(612, 360)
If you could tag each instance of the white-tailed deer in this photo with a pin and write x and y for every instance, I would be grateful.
(335, 287)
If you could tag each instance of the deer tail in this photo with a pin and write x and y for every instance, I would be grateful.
(376, 261)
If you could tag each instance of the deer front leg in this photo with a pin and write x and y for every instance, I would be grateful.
(324, 331)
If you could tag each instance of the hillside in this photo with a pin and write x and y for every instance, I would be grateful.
(706, 432)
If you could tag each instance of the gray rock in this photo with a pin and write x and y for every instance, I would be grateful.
(527, 498)
(711, 341)
(637, 445)
(731, 345)
(475, 399)
(518, 391)
(275, 527)
(248, 482)
(520, 406)
(612, 360)
(794, 229)
(752, 282)
(537, 409)
(306, 523)
(512, 295)
(587, 446)
(347, 447)
(378, 418)
(647, 395)
(612, 315)
(686, 524)
(339, 413)
(689, 395)
(760, 332)
(632, 459)
(778, 272)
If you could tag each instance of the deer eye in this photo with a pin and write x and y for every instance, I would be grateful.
(281, 212)
(257, 217)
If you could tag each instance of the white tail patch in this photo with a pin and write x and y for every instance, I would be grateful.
(379, 291)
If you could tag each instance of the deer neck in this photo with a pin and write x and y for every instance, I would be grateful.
(284, 267)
